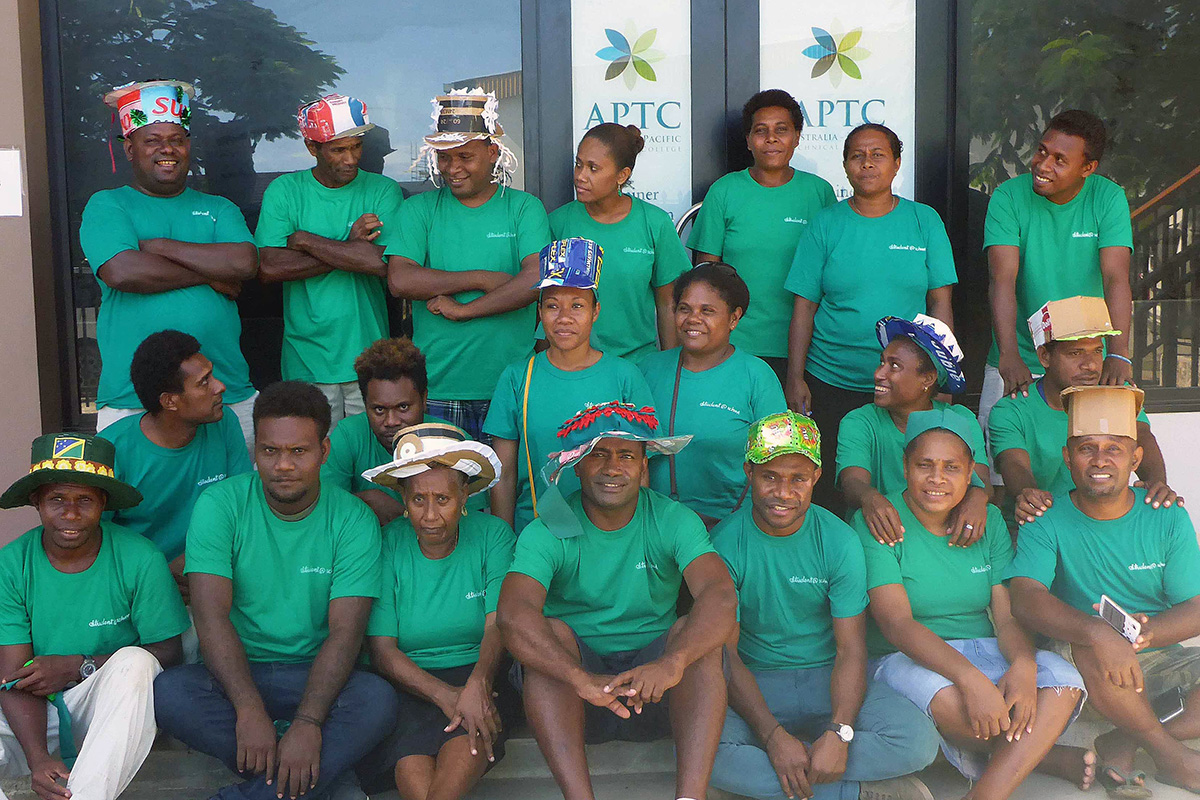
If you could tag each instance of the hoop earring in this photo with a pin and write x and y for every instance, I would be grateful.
(464, 511)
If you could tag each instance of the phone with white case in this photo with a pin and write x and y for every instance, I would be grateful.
(1121, 621)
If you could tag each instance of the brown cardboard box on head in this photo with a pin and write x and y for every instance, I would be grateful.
(1102, 410)
(1070, 319)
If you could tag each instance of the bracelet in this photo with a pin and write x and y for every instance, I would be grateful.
(778, 727)
(306, 718)
(1120, 357)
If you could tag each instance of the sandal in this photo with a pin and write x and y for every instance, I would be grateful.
(1125, 787)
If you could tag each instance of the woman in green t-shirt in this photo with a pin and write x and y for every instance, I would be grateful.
(710, 389)
(998, 703)
(642, 253)
(433, 633)
(920, 358)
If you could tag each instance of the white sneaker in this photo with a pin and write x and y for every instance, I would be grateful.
(908, 787)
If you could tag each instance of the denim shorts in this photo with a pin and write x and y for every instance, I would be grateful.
(920, 685)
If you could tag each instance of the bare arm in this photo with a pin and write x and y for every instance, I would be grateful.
(664, 310)
(352, 255)
(386, 507)
(938, 303)
(527, 632)
(139, 272)
(799, 338)
(1016, 469)
(882, 518)
(335, 659)
(514, 293)
(1004, 262)
(1118, 296)
(222, 650)
(699, 257)
(1041, 612)
(848, 686)
(219, 261)
(1153, 468)
(504, 494)
(286, 264)
(410, 280)
(714, 611)
(1015, 643)
(24, 711)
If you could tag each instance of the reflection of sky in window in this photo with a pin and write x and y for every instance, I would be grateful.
(398, 54)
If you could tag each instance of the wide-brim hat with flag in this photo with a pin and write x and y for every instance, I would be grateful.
(935, 338)
(334, 116)
(143, 103)
(418, 447)
(78, 458)
(574, 263)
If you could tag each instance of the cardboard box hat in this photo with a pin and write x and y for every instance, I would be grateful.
(1071, 319)
(1102, 410)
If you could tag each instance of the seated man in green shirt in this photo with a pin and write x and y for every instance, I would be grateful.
(89, 616)
(322, 232)
(467, 256)
(804, 718)
(165, 255)
(1102, 539)
(1027, 430)
(183, 442)
(588, 607)
(1057, 231)
(283, 572)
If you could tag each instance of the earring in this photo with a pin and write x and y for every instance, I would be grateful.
(464, 511)
(404, 512)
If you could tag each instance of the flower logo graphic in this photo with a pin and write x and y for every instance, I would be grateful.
(630, 61)
(836, 57)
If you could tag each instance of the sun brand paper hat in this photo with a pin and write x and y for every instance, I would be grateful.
(781, 434)
(574, 263)
(935, 338)
(418, 446)
(1103, 410)
(939, 419)
(334, 116)
(78, 458)
(462, 116)
(139, 104)
(1071, 319)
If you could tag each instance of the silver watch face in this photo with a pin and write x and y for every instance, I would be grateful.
(87, 669)
(845, 733)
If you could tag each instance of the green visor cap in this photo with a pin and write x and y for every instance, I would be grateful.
(783, 433)
(939, 419)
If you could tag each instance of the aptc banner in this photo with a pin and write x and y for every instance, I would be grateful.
(631, 64)
(847, 63)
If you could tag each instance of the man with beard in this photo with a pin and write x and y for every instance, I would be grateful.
(1102, 538)
(467, 256)
(166, 255)
(322, 232)
(282, 572)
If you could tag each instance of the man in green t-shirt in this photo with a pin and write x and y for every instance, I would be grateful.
(804, 718)
(467, 256)
(322, 233)
(182, 443)
(588, 607)
(1103, 540)
(165, 255)
(1058, 231)
(283, 572)
(1027, 430)
(89, 616)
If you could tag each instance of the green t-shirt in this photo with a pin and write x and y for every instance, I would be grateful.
(465, 359)
(127, 597)
(717, 407)
(641, 253)
(869, 438)
(949, 588)
(616, 589)
(790, 588)
(1060, 245)
(116, 220)
(755, 229)
(1030, 424)
(859, 270)
(284, 574)
(170, 479)
(1147, 560)
(329, 319)
(554, 397)
(435, 609)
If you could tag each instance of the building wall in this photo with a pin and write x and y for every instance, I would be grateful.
(1178, 435)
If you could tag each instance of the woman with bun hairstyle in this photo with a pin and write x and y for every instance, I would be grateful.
(642, 253)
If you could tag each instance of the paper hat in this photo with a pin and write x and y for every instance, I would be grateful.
(783, 433)
(144, 103)
(1071, 319)
(574, 263)
(466, 115)
(334, 116)
(935, 338)
(940, 419)
(78, 458)
(1102, 410)
(418, 446)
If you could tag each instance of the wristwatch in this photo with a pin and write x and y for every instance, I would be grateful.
(844, 732)
(87, 668)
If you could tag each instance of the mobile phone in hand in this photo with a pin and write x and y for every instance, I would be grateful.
(1120, 620)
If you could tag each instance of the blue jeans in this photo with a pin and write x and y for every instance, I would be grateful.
(190, 704)
(892, 737)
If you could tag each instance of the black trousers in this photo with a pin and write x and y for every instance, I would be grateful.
(829, 404)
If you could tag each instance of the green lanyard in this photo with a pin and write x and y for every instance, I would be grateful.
(66, 740)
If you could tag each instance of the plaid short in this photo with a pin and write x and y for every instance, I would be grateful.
(1173, 667)
(466, 414)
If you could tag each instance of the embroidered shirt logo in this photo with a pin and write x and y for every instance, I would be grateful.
(220, 476)
(316, 571)
(644, 251)
(502, 235)
(985, 569)
(105, 623)
(646, 565)
(202, 214)
(475, 595)
(793, 219)
(721, 406)
(914, 248)
(1151, 565)
(816, 581)
(1085, 235)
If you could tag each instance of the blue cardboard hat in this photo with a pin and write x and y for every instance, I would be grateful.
(935, 338)
(574, 263)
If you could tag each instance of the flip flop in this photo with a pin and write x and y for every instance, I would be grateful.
(1127, 788)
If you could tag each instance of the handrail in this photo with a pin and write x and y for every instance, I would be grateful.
(686, 218)
(1158, 197)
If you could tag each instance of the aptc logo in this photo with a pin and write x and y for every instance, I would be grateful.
(628, 60)
(836, 57)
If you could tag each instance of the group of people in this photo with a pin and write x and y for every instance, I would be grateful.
(593, 488)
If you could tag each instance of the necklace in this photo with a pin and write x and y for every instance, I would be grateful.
(854, 206)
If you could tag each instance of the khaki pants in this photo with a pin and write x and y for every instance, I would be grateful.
(112, 718)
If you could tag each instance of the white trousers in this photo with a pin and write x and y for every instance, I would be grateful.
(345, 400)
(107, 415)
(112, 717)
